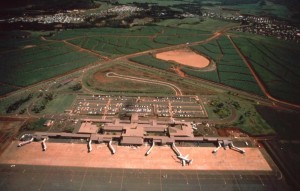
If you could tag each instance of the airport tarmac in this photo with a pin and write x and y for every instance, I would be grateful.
(161, 157)
(67, 166)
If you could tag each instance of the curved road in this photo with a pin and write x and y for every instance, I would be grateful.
(176, 89)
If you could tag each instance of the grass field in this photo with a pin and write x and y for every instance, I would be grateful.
(158, 2)
(106, 85)
(59, 104)
(204, 25)
(276, 64)
(97, 80)
(269, 9)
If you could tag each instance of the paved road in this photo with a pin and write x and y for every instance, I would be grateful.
(176, 89)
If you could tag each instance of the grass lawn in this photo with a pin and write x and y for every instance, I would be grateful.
(248, 118)
(59, 104)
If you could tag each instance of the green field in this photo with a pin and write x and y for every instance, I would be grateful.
(97, 81)
(276, 64)
(59, 104)
(151, 61)
(231, 70)
(27, 59)
(23, 67)
(109, 42)
(158, 2)
(269, 9)
(206, 25)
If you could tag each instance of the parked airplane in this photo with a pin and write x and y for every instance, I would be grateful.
(185, 160)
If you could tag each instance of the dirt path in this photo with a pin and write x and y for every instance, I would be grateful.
(86, 50)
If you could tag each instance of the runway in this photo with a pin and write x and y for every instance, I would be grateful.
(53, 178)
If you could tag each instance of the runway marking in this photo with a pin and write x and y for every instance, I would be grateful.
(110, 177)
(81, 185)
(122, 181)
(199, 182)
(261, 181)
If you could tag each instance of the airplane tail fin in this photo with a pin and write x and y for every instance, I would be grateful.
(190, 161)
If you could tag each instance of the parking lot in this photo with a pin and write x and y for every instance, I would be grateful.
(174, 106)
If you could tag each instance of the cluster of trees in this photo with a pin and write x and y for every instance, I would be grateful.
(42, 105)
(76, 87)
(13, 107)
(220, 108)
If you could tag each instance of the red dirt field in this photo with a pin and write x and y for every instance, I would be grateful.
(185, 57)
(68, 154)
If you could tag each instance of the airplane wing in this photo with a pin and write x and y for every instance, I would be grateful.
(187, 156)
(183, 162)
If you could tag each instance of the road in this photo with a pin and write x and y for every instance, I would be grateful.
(176, 89)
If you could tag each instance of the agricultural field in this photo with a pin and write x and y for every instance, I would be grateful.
(158, 2)
(117, 46)
(109, 42)
(203, 25)
(269, 8)
(230, 68)
(13, 40)
(23, 67)
(276, 64)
